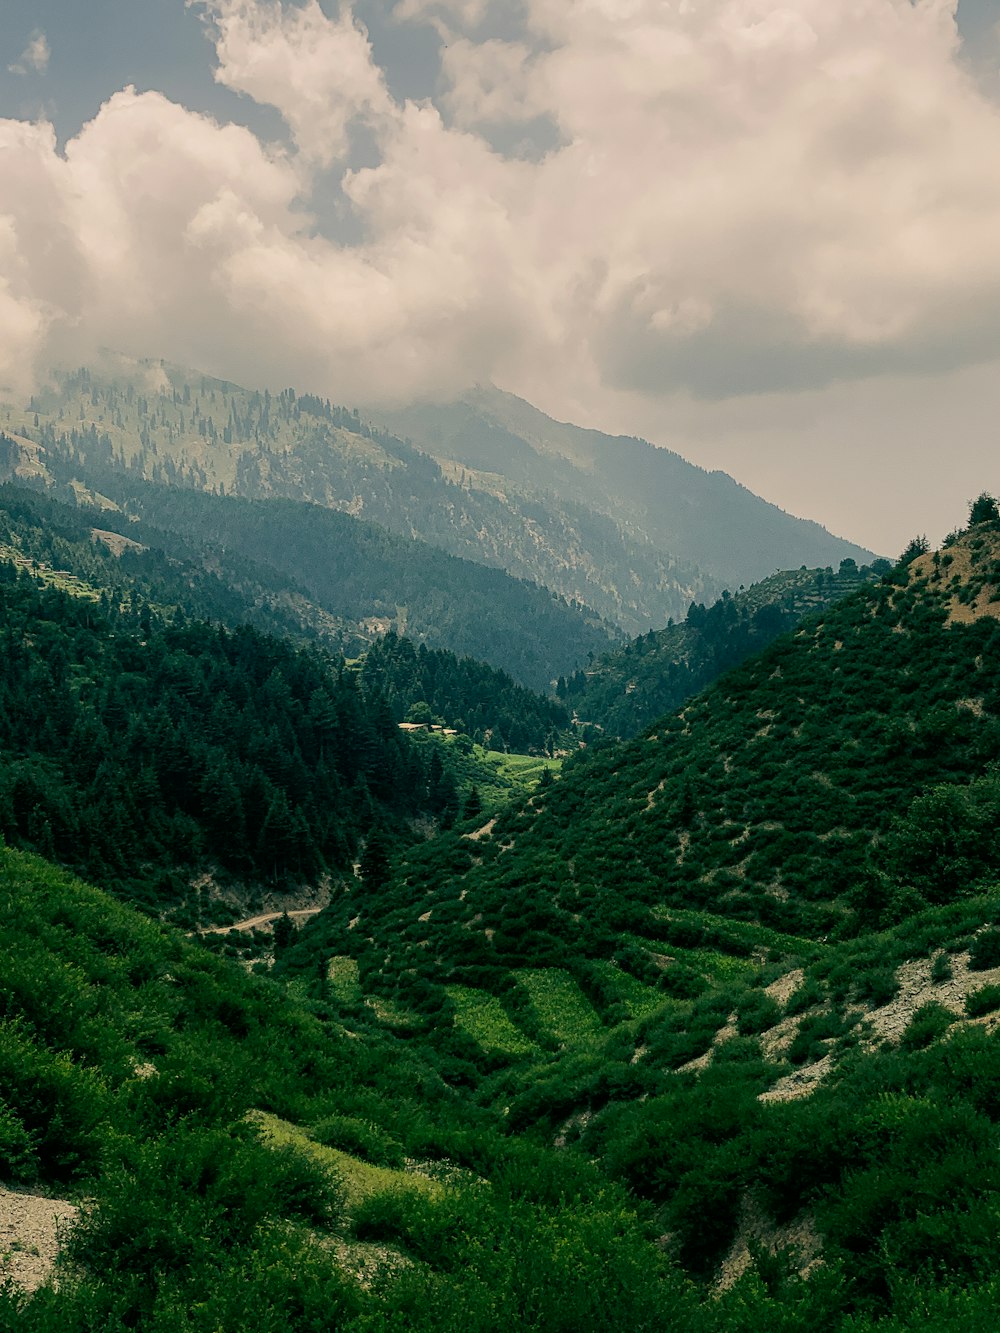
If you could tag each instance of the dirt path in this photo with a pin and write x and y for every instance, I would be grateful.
(255, 922)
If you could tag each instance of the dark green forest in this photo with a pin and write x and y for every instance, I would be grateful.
(133, 748)
(63, 547)
(360, 572)
(462, 693)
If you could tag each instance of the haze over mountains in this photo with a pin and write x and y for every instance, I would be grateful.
(718, 525)
(630, 531)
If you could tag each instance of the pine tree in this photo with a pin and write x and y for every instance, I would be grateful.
(284, 932)
(375, 864)
(473, 804)
(984, 509)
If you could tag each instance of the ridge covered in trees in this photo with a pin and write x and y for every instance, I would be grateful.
(184, 429)
(627, 689)
(356, 572)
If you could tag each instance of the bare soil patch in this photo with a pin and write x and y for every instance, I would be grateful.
(29, 1235)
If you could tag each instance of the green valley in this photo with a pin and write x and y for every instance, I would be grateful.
(695, 1031)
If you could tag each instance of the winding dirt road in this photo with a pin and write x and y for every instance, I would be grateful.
(254, 922)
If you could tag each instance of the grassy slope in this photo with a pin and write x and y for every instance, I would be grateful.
(755, 1082)
(237, 1152)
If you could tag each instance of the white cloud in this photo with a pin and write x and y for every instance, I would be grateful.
(744, 197)
(34, 59)
(318, 72)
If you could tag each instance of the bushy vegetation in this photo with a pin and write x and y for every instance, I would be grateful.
(627, 689)
(676, 1007)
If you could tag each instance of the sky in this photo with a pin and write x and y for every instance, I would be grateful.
(763, 233)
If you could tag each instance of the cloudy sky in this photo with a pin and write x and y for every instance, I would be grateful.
(765, 233)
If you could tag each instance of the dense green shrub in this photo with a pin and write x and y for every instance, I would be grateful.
(930, 1022)
(986, 1000)
(815, 1034)
(758, 1013)
(942, 969)
(984, 951)
(360, 1138)
(877, 986)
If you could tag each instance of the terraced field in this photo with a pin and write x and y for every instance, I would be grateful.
(342, 974)
(481, 1016)
(561, 1006)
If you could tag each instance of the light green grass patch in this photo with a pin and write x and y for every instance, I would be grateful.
(524, 770)
(639, 999)
(359, 1179)
(482, 1017)
(392, 1014)
(709, 962)
(747, 932)
(560, 1004)
(342, 974)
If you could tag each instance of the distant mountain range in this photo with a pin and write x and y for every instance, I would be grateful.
(631, 531)
(704, 519)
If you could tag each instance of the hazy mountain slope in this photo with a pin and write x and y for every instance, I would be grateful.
(72, 546)
(368, 575)
(355, 573)
(179, 427)
(704, 518)
(626, 690)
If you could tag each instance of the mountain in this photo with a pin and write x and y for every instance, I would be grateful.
(357, 574)
(631, 531)
(749, 963)
(781, 795)
(705, 519)
(181, 428)
(627, 689)
(703, 1036)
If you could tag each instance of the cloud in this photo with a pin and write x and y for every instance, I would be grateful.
(317, 72)
(740, 197)
(34, 59)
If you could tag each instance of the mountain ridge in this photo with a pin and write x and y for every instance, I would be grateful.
(606, 543)
(653, 488)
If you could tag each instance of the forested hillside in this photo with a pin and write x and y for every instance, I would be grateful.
(778, 796)
(750, 962)
(184, 429)
(481, 702)
(60, 547)
(704, 518)
(626, 690)
(360, 575)
(143, 752)
(702, 1035)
